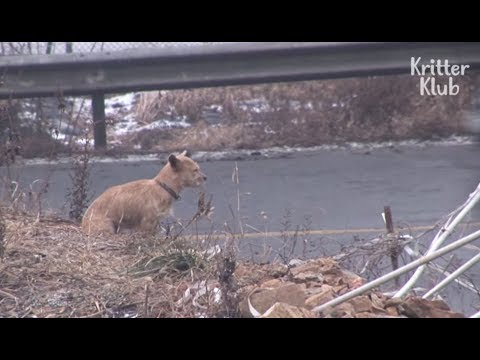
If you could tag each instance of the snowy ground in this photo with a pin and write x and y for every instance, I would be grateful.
(119, 112)
(121, 117)
(122, 120)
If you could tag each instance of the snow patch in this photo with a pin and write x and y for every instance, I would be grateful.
(124, 101)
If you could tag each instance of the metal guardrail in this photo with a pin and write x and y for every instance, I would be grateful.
(214, 65)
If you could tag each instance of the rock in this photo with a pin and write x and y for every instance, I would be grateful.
(361, 304)
(440, 304)
(352, 280)
(263, 299)
(341, 289)
(422, 308)
(343, 280)
(295, 262)
(248, 274)
(366, 315)
(245, 290)
(325, 294)
(377, 298)
(377, 303)
(282, 310)
(274, 284)
(277, 291)
(392, 311)
(333, 277)
(294, 294)
(244, 273)
(341, 310)
(309, 276)
(318, 266)
(372, 315)
(313, 287)
(393, 302)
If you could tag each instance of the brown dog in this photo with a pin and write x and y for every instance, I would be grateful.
(141, 204)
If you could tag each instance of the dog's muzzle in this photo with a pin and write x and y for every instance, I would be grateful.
(201, 180)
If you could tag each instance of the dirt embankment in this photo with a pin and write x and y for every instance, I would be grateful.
(48, 268)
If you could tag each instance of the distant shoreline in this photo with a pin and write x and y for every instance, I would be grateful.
(252, 154)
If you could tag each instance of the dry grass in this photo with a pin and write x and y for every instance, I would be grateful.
(34, 140)
(48, 268)
(205, 138)
(304, 114)
(51, 269)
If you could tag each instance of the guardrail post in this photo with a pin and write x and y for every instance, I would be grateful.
(99, 126)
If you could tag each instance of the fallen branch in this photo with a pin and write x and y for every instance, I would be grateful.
(453, 276)
(404, 269)
(441, 237)
(439, 269)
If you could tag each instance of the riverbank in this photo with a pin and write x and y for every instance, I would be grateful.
(48, 268)
(254, 154)
(301, 115)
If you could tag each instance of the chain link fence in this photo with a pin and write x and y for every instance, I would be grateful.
(45, 48)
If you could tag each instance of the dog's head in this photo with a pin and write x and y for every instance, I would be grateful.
(187, 170)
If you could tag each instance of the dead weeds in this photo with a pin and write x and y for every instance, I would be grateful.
(51, 269)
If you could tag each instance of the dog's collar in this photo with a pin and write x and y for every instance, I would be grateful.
(169, 190)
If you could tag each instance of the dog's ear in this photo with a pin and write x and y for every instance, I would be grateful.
(172, 159)
(187, 153)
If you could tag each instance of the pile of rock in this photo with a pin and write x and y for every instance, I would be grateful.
(280, 291)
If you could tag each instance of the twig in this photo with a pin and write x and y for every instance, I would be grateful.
(147, 293)
(202, 210)
(235, 179)
(6, 294)
(453, 276)
(404, 269)
(443, 271)
(29, 310)
(440, 238)
(93, 315)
